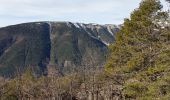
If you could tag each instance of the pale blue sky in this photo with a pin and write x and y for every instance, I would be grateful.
(85, 11)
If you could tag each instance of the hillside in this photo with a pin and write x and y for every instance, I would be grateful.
(65, 46)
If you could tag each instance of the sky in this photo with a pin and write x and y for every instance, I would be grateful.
(84, 11)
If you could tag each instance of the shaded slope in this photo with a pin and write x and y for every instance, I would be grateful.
(24, 45)
(64, 45)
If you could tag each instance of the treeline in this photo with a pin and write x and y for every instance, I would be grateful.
(95, 85)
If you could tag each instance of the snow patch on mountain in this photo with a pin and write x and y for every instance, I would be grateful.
(95, 31)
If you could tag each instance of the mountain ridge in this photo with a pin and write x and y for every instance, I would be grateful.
(42, 43)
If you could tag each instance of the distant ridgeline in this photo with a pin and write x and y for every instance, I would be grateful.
(60, 46)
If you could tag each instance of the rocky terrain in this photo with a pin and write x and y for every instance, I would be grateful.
(64, 46)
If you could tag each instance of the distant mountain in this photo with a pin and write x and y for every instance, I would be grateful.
(63, 46)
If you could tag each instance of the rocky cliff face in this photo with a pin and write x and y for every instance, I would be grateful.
(65, 46)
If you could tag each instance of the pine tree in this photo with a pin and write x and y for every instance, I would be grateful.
(140, 52)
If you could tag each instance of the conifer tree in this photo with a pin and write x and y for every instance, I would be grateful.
(140, 52)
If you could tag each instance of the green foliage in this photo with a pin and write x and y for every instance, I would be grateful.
(134, 89)
(140, 57)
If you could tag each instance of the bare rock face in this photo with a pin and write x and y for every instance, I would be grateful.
(64, 45)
